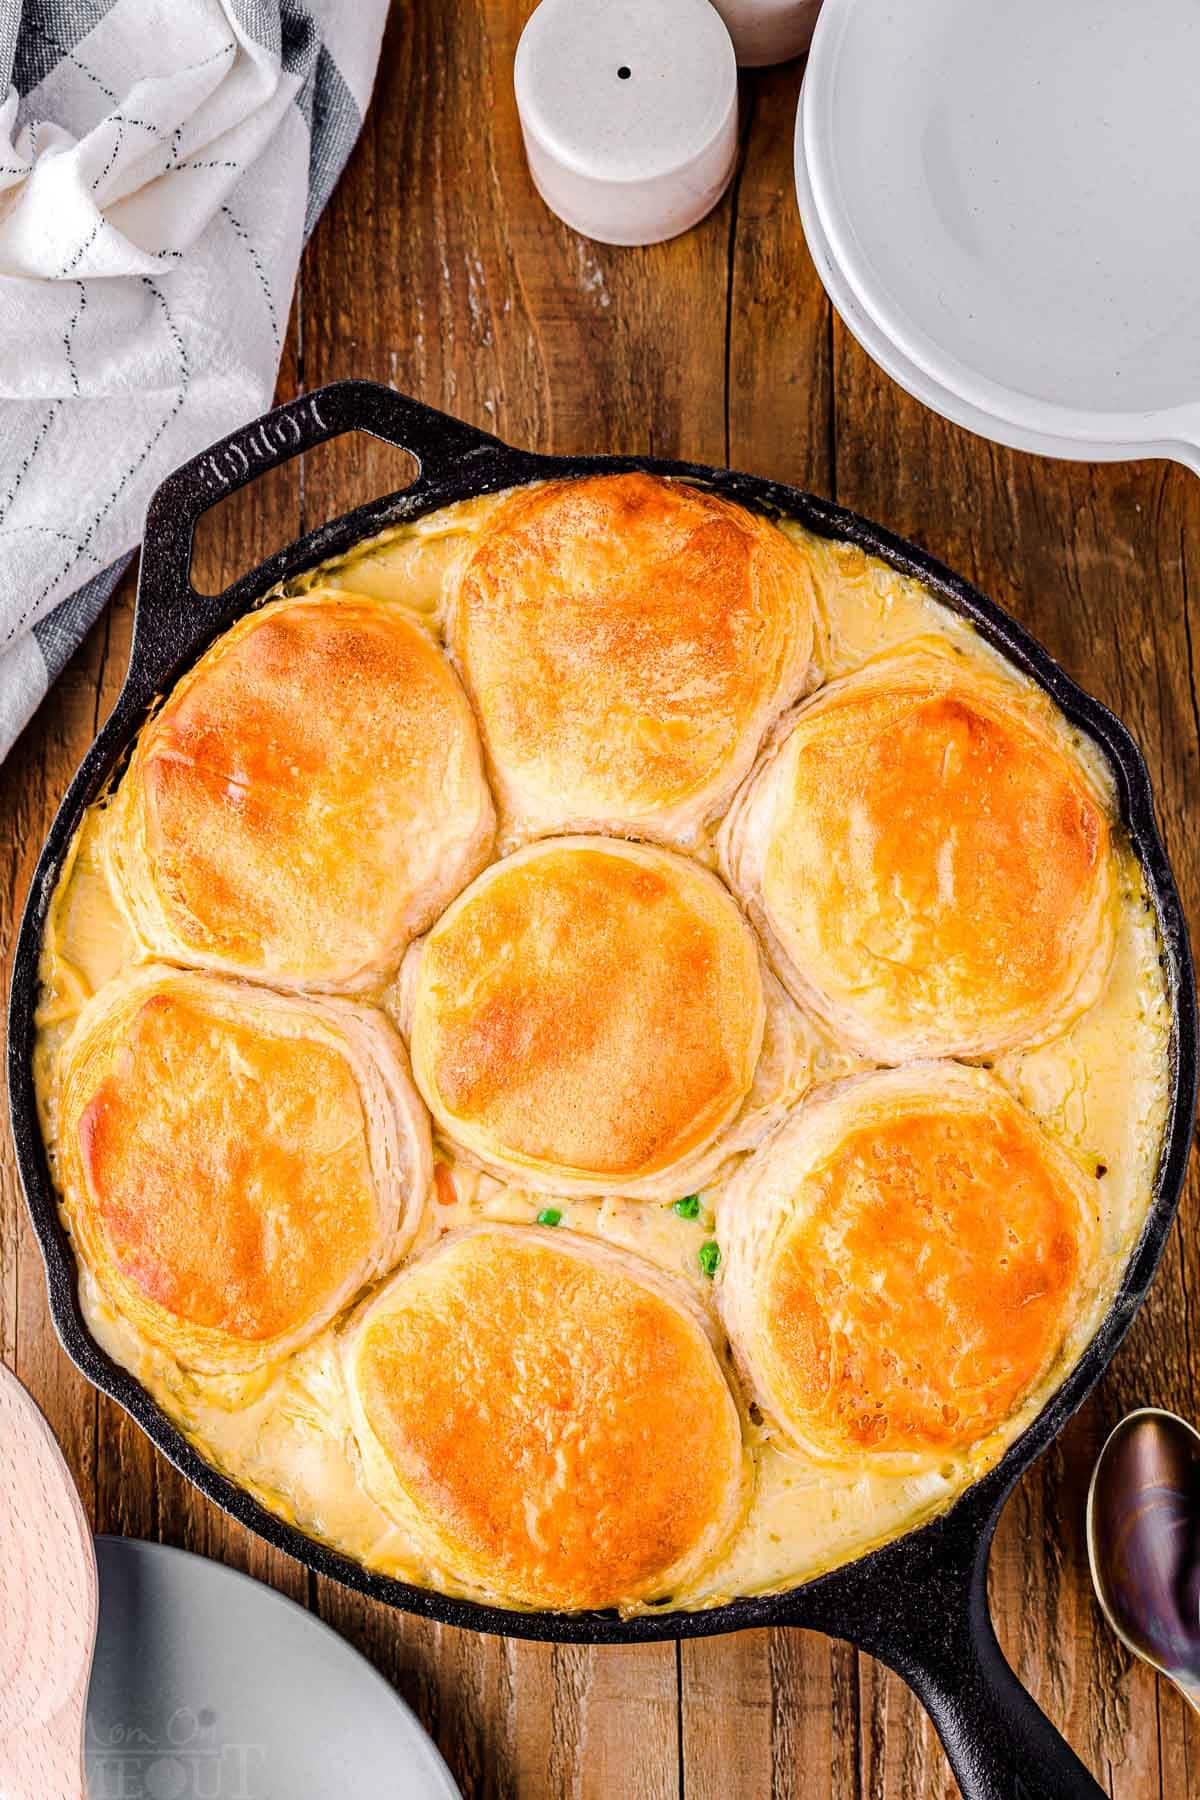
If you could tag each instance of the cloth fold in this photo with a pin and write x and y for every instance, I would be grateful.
(161, 164)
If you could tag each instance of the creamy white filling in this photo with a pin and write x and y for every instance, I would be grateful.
(1101, 1089)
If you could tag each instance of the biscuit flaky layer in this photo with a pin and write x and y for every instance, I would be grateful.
(903, 1262)
(929, 866)
(236, 1164)
(588, 1015)
(306, 800)
(549, 1417)
(626, 642)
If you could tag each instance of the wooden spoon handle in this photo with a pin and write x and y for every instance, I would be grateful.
(45, 1761)
(48, 1607)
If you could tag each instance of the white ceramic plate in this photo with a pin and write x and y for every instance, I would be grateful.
(1004, 201)
(878, 347)
(210, 1686)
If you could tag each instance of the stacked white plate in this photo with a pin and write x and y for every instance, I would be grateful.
(1002, 198)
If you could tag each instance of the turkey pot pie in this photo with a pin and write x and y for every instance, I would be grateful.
(633, 1320)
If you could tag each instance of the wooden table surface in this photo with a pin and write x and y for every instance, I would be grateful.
(436, 268)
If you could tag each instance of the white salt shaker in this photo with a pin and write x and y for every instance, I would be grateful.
(768, 31)
(629, 114)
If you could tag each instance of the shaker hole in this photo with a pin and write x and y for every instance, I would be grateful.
(624, 72)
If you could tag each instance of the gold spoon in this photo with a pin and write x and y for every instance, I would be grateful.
(48, 1608)
(1143, 1537)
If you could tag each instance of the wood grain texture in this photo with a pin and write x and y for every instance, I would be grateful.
(51, 1606)
(437, 268)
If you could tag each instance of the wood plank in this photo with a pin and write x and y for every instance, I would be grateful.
(592, 1724)
(780, 383)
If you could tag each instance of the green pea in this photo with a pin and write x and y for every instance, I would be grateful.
(710, 1258)
(688, 1207)
(549, 1215)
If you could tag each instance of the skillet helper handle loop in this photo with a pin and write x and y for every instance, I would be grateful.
(169, 608)
(1000, 1743)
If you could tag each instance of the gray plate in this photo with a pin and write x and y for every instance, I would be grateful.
(210, 1686)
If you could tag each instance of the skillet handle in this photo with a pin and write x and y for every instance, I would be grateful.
(1000, 1743)
(920, 1606)
(171, 615)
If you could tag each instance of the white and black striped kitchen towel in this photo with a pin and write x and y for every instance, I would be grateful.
(161, 163)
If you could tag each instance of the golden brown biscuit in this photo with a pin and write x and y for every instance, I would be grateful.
(929, 865)
(589, 1015)
(306, 800)
(236, 1164)
(626, 642)
(548, 1417)
(903, 1261)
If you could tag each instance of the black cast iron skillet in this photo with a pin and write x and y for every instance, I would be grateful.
(919, 1603)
